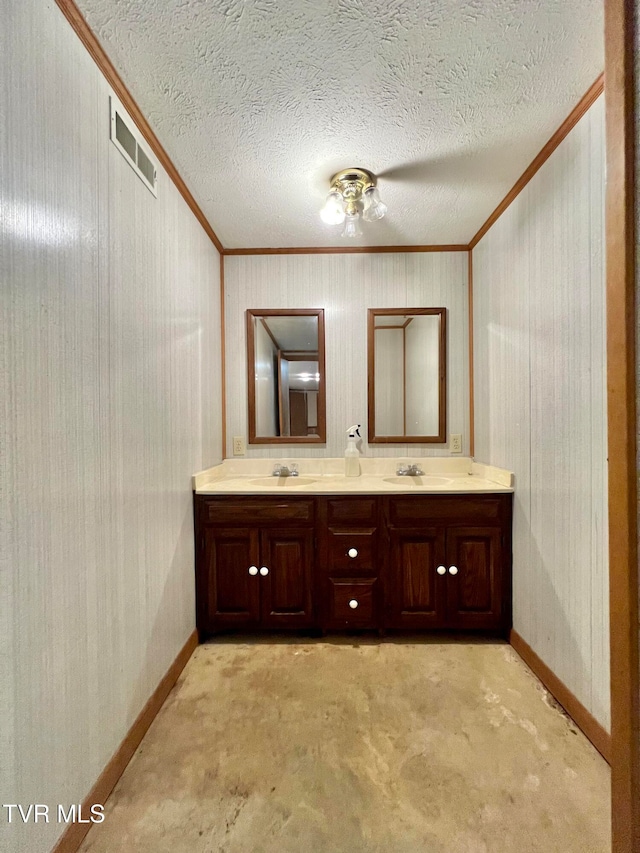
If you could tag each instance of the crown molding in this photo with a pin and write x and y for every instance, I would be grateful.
(590, 96)
(97, 53)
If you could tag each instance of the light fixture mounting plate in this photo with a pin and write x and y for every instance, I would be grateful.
(356, 180)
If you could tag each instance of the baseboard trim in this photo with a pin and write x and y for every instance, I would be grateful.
(72, 838)
(585, 721)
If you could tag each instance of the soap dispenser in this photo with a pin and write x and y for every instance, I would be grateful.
(351, 454)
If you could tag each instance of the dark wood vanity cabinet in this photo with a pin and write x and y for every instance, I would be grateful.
(228, 596)
(347, 575)
(475, 594)
(416, 594)
(254, 563)
(448, 562)
(387, 562)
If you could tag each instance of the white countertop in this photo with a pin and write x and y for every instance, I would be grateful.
(443, 474)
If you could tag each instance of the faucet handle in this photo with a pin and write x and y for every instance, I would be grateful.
(293, 469)
(401, 470)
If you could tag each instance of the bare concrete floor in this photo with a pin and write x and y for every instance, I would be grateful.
(354, 745)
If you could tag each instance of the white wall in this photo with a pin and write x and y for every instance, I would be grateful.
(539, 360)
(109, 381)
(346, 286)
(265, 373)
(422, 343)
(389, 380)
(283, 397)
(312, 408)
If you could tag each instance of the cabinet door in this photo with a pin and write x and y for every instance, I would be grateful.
(285, 590)
(230, 594)
(415, 592)
(474, 588)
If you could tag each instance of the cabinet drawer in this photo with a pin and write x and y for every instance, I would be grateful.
(220, 511)
(352, 603)
(351, 511)
(462, 509)
(351, 551)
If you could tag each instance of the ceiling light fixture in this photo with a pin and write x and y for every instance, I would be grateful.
(353, 192)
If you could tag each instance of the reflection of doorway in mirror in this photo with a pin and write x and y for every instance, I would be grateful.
(303, 412)
(285, 378)
(297, 412)
(285, 368)
(299, 385)
(312, 412)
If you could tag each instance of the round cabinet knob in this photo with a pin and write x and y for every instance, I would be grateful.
(265, 571)
(453, 570)
(352, 552)
(441, 570)
(353, 604)
(253, 570)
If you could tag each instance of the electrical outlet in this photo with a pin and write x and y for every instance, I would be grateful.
(455, 445)
(239, 447)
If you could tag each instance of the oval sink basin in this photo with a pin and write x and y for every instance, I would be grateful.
(283, 482)
(420, 481)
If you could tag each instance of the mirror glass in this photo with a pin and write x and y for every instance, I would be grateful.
(407, 375)
(285, 358)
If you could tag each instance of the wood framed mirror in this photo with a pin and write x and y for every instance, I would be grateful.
(286, 376)
(407, 375)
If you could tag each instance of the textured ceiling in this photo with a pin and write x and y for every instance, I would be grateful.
(259, 102)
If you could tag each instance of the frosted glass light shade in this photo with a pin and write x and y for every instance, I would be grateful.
(374, 207)
(352, 226)
(333, 211)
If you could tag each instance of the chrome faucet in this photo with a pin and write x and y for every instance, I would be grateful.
(411, 470)
(285, 470)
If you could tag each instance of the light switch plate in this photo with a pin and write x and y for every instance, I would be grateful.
(239, 446)
(455, 445)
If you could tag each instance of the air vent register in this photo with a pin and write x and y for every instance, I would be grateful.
(129, 142)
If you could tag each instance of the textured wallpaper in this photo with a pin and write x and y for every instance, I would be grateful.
(540, 390)
(110, 388)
